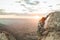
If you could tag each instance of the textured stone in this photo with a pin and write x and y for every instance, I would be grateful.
(5, 36)
(52, 27)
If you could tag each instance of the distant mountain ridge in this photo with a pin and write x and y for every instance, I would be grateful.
(22, 14)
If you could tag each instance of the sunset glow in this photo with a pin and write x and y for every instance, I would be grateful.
(36, 17)
(14, 16)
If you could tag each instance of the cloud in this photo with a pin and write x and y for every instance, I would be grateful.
(30, 6)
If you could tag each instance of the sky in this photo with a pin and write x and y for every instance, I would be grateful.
(30, 6)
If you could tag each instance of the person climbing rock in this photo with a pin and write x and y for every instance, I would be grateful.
(41, 27)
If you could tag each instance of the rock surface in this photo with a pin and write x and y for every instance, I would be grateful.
(52, 27)
(4, 36)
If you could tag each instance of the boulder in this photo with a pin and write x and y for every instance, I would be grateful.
(51, 27)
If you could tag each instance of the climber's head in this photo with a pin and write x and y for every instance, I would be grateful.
(42, 20)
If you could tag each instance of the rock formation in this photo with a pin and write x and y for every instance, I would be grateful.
(51, 27)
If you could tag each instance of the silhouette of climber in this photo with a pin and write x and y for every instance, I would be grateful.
(41, 27)
(41, 30)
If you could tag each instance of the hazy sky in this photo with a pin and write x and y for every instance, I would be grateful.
(30, 6)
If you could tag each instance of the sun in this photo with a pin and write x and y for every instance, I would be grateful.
(37, 17)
